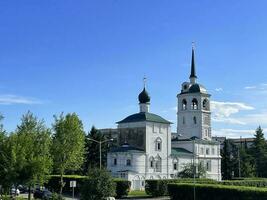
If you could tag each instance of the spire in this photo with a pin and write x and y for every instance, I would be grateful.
(193, 76)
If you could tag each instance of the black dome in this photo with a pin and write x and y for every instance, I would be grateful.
(196, 88)
(144, 97)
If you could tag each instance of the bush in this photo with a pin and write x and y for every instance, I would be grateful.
(53, 183)
(247, 182)
(218, 192)
(158, 188)
(98, 186)
(122, 187)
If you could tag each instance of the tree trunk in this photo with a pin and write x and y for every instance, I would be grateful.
(29, 192)
(61, 184)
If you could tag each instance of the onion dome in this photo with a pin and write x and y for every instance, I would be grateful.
(144, 97)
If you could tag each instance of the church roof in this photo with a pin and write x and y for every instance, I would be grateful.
(196, 88)
(181, 152)
(144, 116)
(126, 149)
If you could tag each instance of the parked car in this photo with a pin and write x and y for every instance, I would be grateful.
(42, 194)
(15, 191)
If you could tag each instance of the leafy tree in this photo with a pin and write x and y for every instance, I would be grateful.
(92, 157)
(188, 171)
(30, 146)
(98, 186)
(68, 144)
(247, 168)
(226, 160)
(259, 153)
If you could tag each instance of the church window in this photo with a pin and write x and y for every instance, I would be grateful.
(194, 105)
(115, 161)
(158, 164)
(184, 104)
(158, 144)
(195, 120)
(183, 120)
(174, 166)
(207, 151)
(208, 165)
(205, 104)
(151, 162)
(128, 162)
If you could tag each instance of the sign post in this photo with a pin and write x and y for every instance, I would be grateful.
(73, 185)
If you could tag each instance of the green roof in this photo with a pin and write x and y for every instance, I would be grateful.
(126, 149)
(181, 152)
(144, 116)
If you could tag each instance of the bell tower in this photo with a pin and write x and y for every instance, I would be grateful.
(193, 115)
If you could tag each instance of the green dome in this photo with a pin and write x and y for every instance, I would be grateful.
(144, 97)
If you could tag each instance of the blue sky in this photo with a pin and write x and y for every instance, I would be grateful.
(90, 57)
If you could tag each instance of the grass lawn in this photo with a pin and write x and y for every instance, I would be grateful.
(138, 193)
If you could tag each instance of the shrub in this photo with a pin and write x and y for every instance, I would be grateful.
(247, 182)
(122, 187)
(98, 186)
(53, 183)
(157, 188)
(218, 192)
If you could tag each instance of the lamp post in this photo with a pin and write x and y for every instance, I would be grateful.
(194, 167)
(100, 148)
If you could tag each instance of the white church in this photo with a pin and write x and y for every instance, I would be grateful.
(146, 149)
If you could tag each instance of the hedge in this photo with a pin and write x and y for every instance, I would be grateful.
(215, 192)
(122, 186)
(247, 182)
(158, 188)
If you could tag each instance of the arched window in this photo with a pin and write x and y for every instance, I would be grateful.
(151, 162)
(205, 104)
(183, 120)
(194, 105)
(158, 144)
(195, 119)
(158, 164)
(184, 104)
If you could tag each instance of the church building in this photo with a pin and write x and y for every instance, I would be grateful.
(146, 149)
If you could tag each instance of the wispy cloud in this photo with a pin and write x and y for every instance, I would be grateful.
(218, 89)
(250, 87)
(9, 99)
(225, 109)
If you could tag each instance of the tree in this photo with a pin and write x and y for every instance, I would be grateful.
(30, 146)
(98, 186)
(92, 150)
(188, 171)
(68, 144)
(226, 160)
(259, 153)
(247, 169)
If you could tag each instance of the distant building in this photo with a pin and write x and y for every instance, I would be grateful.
(147, 149)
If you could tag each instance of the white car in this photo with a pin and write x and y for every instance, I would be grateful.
(15, 191)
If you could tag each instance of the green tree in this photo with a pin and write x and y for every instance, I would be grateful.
(259, 153)
(247, 169)
(92, 157)
(30, 146)
(98, 186)
(188, 171)
(68, 144)
(226, 160)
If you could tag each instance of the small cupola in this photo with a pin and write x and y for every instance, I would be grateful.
(144, 99)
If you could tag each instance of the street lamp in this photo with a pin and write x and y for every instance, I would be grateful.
(100, 148)
(194, 167)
